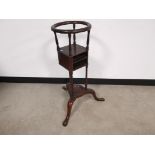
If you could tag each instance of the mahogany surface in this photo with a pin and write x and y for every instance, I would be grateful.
(75, 50)
(73, 57)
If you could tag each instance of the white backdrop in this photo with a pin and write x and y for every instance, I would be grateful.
(119, 49)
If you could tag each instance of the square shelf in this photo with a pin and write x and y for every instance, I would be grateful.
(77, 59)
(75, 50)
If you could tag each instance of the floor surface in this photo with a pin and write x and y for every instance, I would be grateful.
(41, 108)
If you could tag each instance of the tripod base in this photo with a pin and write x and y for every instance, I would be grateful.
(76, 91)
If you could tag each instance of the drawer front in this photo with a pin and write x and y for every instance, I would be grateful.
(65, 61)
(80, 64)
(80, 57)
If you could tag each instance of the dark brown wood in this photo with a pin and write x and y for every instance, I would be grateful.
(74, 36)
(66, 31)
(69, 37)
(88, 36)
(76, 92)
(73, 57)
(57, 42)
(69, 108)
(86, 77)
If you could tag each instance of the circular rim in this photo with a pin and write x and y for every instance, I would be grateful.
(56, 29)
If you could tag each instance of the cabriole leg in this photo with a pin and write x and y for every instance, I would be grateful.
(69, 108)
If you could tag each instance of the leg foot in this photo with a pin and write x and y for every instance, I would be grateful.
(95, 97)
(69, 108)
(64, 88)
(65, 122)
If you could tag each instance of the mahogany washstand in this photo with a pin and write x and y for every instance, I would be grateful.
(73, 57)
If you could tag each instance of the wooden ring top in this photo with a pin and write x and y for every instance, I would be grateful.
(55, 28)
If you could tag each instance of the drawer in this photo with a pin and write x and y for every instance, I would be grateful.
(80, 64)
(80, 57)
